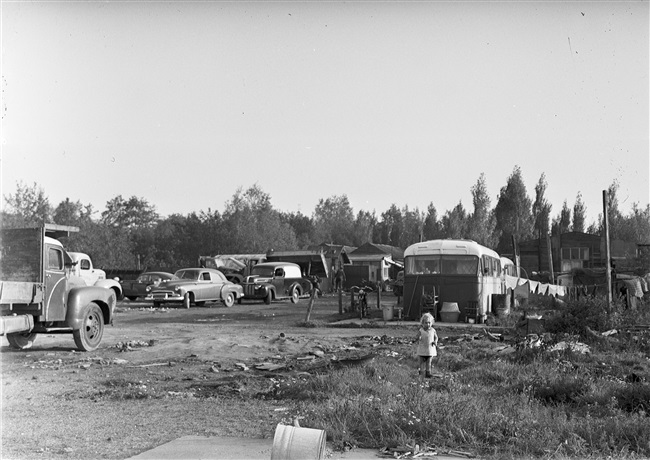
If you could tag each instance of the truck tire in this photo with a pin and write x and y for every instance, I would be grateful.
(187, 300)
(228, 299)
(295, 294)
(21, 340)
(132, 298)
(268, 298)
(92, 329)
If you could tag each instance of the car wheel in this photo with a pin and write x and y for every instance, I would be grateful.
(268, 298)
(295, 295)
(229, 299)
(21, 340)
(132, 298)
(156, 304)
(88, 337)
(186, 300)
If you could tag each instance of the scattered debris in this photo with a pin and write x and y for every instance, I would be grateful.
(131, 344)
(577, 347)
(415, 451)
(269, 366)
(168, 363)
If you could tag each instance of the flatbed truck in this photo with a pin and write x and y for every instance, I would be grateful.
(39, 293)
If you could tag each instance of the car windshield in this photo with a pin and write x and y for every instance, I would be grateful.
(187, 274)
(262, 271)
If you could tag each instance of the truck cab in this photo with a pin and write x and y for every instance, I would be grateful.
(40, 294)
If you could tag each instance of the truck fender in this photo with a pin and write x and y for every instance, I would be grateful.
(295, 285)
(80, 297)
(111, 284)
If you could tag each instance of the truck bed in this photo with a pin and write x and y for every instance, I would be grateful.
(17, 292)
(21, 255)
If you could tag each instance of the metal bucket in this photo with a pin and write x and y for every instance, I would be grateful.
(295, 443)
(449, 312)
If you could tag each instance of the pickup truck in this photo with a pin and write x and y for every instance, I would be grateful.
(275, 281)
(82, 267)
(39, 293)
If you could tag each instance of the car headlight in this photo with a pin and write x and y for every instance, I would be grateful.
(148, 289)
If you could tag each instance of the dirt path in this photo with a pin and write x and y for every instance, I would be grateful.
(160, 374)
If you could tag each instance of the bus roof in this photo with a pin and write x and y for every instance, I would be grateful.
(505, 261)
(438, 247)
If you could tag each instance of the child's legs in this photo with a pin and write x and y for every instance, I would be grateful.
(428, 364)
(423, 363)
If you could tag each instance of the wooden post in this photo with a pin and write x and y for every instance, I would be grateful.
(516, 256)
(312, 298)
(341, 301)
(550, 258)
(607, 251)
(379, 294)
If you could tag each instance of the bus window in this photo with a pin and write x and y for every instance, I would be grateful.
(460, 265)
(421, 265)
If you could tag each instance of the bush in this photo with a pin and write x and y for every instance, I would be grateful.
(582, 314)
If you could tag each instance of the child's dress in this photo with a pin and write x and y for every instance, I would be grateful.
(425, 343)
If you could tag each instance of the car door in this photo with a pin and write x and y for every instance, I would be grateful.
(55, 284)
(278, 281)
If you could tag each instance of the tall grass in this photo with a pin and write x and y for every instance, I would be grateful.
(524, 405)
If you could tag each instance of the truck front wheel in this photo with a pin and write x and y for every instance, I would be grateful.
(21, 340)
(92, 329)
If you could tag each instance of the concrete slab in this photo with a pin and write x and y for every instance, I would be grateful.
(228, 448)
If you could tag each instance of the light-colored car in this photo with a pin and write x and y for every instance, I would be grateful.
(195, 286)
(138, 287)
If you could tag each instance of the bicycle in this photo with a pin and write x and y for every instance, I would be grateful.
(361, 302)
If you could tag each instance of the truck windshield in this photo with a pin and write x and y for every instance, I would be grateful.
(262, 271)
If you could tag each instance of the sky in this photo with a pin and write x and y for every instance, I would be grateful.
(405, 103)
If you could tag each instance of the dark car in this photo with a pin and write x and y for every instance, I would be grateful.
(138, 288)
(276, 280)
(196, 286)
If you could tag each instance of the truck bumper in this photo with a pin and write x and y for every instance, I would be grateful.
(17, 323)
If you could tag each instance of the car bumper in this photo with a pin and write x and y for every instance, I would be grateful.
(164, 297)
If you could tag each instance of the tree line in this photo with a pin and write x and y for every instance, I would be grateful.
(130, 234)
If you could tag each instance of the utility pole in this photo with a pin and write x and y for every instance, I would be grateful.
(608, 254)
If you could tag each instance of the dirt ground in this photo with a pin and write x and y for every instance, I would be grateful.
(164, 373)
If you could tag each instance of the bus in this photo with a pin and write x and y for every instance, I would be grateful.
(459, 271)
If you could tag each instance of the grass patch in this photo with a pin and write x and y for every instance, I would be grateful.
(529, 404)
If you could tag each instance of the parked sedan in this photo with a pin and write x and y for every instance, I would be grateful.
(138, 288)
(196, 286)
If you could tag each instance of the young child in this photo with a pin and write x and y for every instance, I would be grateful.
(426, 340)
